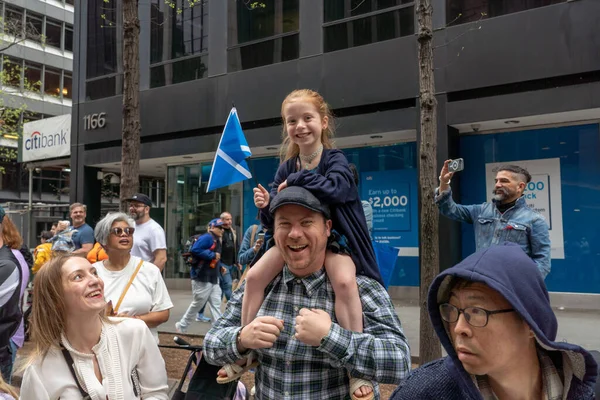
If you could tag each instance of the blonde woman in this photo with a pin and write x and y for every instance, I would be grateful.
(7, 392)
(78, 351)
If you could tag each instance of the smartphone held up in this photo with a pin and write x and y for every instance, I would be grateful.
(456, 165)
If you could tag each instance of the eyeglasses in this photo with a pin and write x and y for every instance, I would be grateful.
(118, 231)
(137, 206)
(475, 316)
(219, 227)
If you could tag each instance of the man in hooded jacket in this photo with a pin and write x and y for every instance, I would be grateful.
(493, 316)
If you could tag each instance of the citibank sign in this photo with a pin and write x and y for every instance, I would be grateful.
(42, 141)
(46, 138)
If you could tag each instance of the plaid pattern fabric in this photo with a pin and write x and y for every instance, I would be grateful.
(551, 381)
(293, 370)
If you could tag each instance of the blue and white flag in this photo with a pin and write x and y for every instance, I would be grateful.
(230, 164)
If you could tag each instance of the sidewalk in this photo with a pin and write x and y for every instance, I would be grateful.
(574, 326)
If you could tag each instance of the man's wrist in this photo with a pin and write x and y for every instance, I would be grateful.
(238, 342)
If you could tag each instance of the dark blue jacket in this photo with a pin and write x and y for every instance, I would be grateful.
(204, 250)
(509, 271)
(333, 183)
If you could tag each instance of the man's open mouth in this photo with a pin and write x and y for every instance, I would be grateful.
(297, 248)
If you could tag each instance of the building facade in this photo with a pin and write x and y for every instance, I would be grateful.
(36, 69)
(515, 81)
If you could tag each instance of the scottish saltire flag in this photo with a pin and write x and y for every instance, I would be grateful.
(230, 164)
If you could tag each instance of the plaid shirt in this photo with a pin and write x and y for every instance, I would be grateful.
(294, 370)
(552, 386)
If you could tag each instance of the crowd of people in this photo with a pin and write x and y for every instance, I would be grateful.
(309, 313)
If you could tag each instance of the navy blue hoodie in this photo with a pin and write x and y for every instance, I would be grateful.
(333, 183)
(509, 271)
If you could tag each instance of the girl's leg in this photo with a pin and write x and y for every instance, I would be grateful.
(342, 275)
(348, 307)
(257, 279)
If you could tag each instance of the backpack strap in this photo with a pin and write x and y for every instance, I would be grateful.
(116, 309)
(70, 363)
(254, 228)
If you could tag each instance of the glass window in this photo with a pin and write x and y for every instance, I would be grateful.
(190, 208)
(68, 38)
(250, 21)
(565, 159)
(11, 72)
(53, 32)
(34, 27)
(285, 48)
(71, 2)
(13, 21)
(374, 28)
(178, 32)
(462, 11)
(101, 88)
(52, 82)
(178, 71)
(101, 38)
(67, 86)
(334, 10)
(33, 77)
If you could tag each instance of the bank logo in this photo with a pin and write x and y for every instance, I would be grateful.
(39, 140)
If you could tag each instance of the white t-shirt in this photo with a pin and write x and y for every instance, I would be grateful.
(147, 293)
(147, 238)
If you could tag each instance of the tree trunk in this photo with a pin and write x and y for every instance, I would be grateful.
(130, 151)
(429, 348)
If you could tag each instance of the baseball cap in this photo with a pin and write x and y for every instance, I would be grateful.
(215, 222)
(299, 196)
(142, 198)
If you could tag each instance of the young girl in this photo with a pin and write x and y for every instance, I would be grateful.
(308, 160)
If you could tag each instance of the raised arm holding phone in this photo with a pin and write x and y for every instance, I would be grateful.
(507, 218)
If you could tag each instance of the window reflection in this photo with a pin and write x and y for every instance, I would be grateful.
(370, 29)
(179, 71)
(69, 38)
(11, 72)
(101, 88)
(53, 33)
(101, 38)
(34, 27)
(67, 86)
(52, 82)
(462, 11)
(264, 53)
(33, 77)
(267, 18)
(190, 208)
(178, 32)
(13, 21)
(269, 29)
(334, 10)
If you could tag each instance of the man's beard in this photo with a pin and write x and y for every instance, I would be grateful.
(500, 196)
(136, 215)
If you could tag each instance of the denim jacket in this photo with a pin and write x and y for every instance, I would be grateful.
(519, 224)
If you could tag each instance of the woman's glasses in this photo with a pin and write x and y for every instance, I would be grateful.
(118, 231)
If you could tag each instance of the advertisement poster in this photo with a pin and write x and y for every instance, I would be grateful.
(393, 196)
(543, 194)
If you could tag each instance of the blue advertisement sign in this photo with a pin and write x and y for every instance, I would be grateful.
(393, 196)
